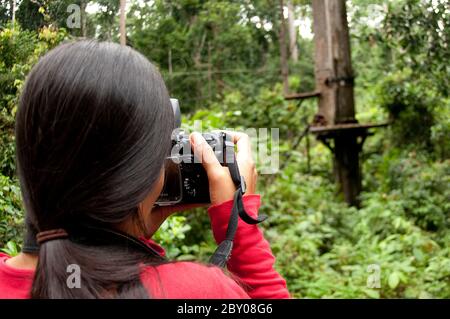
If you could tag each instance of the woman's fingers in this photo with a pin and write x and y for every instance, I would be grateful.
(243, 144)
(221, 187)
(205, 154)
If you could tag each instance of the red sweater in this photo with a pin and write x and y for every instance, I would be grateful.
(251, 266)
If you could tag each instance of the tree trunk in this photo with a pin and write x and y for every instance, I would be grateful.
(83, 5)
(333, 68)
(283, 51)
(209, 72)
(123, 36)
(169, 61)
(12, 9)
(293, 50)
(334, 80)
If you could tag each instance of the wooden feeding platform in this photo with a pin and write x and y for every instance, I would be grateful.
(354, 128)
(325, 133)
(300, 96)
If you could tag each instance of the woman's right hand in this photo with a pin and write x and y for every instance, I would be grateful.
(221, 186)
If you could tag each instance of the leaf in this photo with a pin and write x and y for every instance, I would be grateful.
(425, 295)
(375, 294)
(10, 249)
(418, 254)
(393, 280)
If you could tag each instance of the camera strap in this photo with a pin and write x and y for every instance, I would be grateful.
(223, 251)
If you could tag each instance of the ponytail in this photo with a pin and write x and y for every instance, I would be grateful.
(69, 270)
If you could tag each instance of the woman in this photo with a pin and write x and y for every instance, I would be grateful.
(92, 131)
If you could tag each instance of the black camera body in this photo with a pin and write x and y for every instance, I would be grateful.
(185, 179)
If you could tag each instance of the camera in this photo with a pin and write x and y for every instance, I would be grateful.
(185, 180)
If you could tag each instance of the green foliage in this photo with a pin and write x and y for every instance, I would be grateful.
(440, 131)
(30, 16)
(19, 51)
(15, 47)
(5, 12)
(204, 48)
(11, 249)
(324, 248)
(11, 214)
(417, 33)
(414, 39)
(421, 188)
(410, 106)
(171, 235)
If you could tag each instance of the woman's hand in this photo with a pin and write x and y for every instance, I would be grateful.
(221, 186)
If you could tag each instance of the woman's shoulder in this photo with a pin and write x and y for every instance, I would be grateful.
(14, 283)
(190, 280)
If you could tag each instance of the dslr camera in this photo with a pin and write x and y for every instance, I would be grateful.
(185, 180)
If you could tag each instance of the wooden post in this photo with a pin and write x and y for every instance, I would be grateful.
(169, 62)
(293, 50)
(209, 71)
(12, 4)
(283, 50)
(334, 80)
(83, 5)
(122, 23)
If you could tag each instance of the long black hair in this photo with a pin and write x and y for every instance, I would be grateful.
(92, 131)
